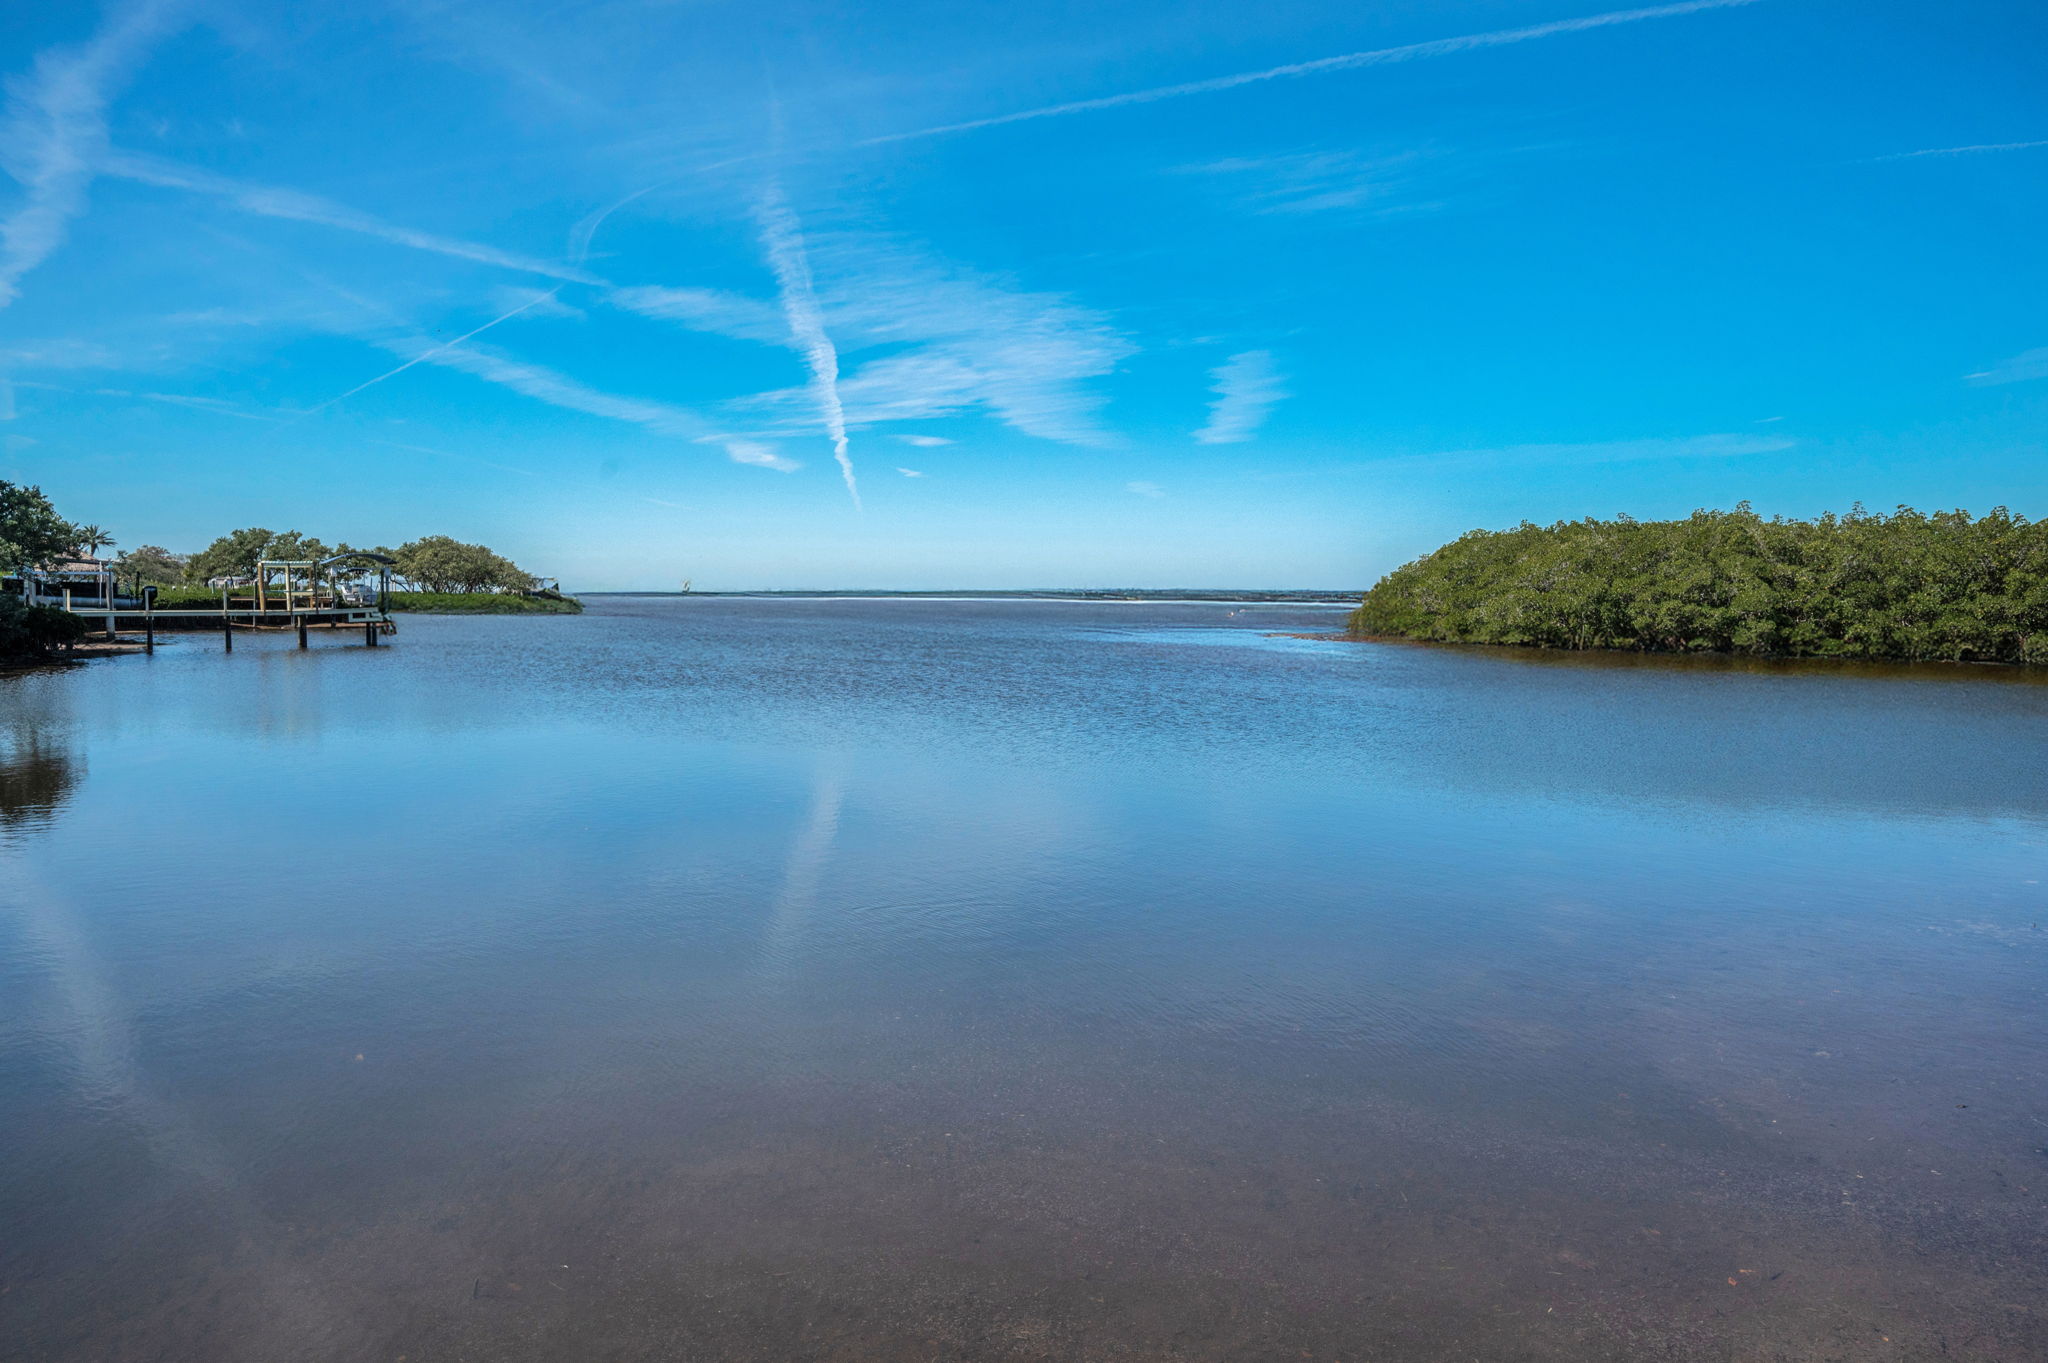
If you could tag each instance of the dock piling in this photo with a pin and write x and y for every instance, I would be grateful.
(302, 631)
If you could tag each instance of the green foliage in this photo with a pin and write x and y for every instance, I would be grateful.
(435, 563)
(188, 598)
(90, 539)
(484, 603)
(151, 564)
(237, 553)
(31, 532)
(30, 633)
(1906, 586)
(438, 563)
(293, 547)
(234, 554)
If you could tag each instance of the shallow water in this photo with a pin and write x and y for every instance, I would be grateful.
(729, 979)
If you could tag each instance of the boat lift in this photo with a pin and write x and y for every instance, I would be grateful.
(285, 594)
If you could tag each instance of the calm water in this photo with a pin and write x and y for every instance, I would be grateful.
(715, 979)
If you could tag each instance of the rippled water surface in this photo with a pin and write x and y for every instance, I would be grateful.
(893, 980)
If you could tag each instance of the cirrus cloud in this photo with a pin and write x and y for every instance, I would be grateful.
(2028, 364)
(1247, 386)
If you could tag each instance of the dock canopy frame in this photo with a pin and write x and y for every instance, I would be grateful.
(305, 597)
(385, 563)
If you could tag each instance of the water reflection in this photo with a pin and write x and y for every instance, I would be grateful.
(774, 980)
(38, 771)
(809, 851)
(40, 758)
(86, 1023)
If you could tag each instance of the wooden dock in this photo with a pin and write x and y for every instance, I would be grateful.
(308, 600)
(145, 621)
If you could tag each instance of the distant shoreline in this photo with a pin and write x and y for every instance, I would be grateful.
(1136, 596)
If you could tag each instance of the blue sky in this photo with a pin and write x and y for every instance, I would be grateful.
(925, 295)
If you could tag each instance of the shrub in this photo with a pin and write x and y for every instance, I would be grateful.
(1910, 586)
(32, 633)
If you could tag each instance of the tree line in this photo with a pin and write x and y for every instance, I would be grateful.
(1911, 585)
(33, 535)
(433, 563)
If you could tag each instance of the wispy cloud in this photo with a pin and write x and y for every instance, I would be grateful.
(555, 389)
(211, 406)
(2028, 364)
(427, 355)
(1440, 47)
(524, 55)
(272, 202)
(1720, 445)
(1025, 358)
(923, 442)
(1247, 385)
(559, 390)
(1321, 182)
(55, 130)
(759, 454)
(713, 310)
(1145, 489)
(60, 353)
(910, 473)
(1975, 150)
(946, 339)
(514, 299)
(585, 231)
(782, 237)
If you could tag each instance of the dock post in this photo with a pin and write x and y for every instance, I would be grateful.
(369, 634)
(302, 631)
(227, 635)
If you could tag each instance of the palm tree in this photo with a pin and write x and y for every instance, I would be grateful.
(91, 538)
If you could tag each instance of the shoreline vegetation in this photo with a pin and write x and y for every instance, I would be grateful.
(1907, 587)
(1228, 595)
(483, 603)
(44, 553)
(198, 600)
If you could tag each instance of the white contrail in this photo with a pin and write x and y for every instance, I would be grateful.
(1961, 151)
(269, 201)
(782, 238)
(56, 129)
(581, 235)
(436, 350)
(1439, 47)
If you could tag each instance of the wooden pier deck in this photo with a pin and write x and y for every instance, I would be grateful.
(145, 624)
(308, 599)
